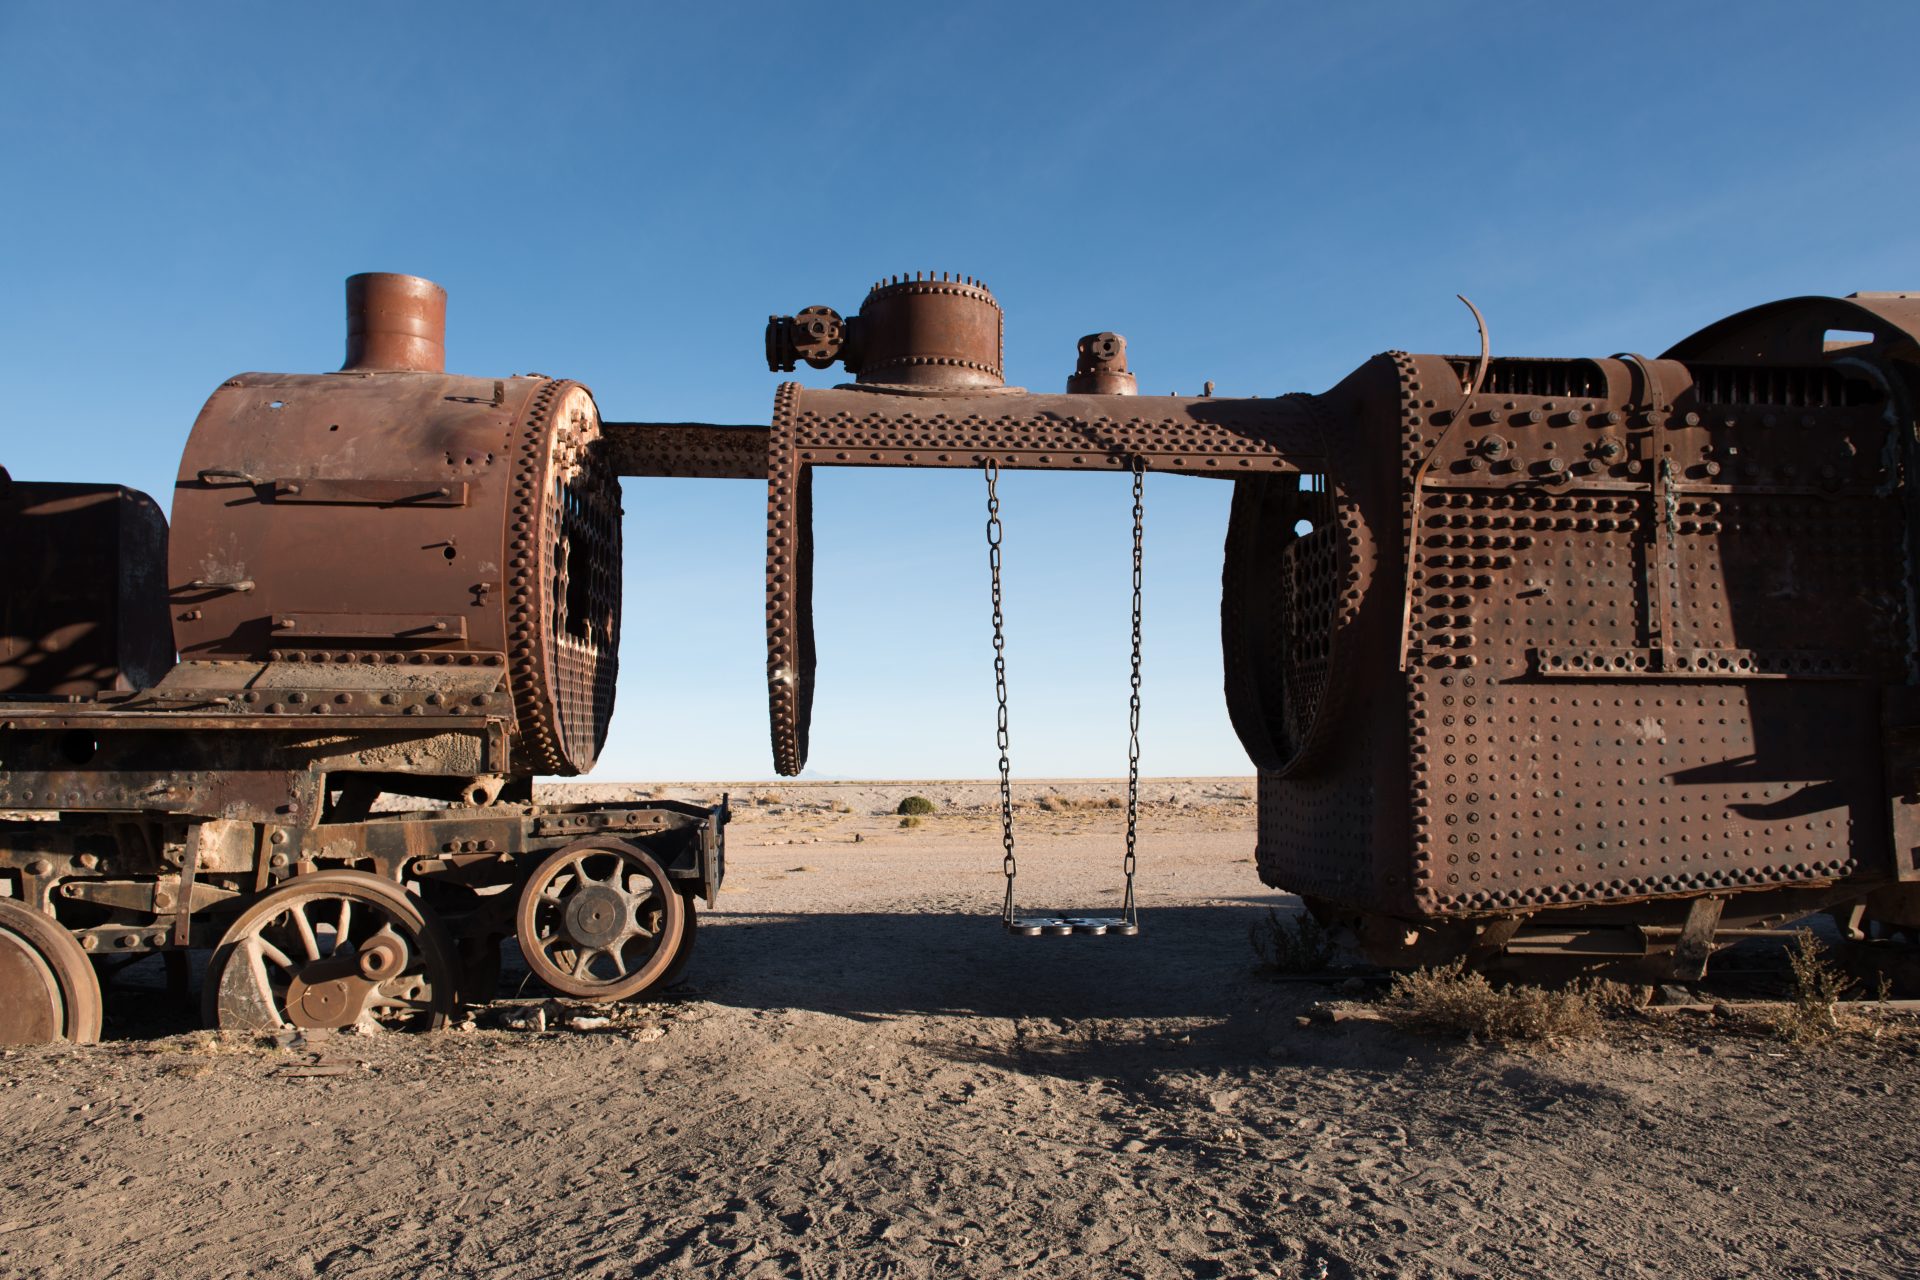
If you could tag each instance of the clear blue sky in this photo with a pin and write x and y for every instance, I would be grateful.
(1258, 194)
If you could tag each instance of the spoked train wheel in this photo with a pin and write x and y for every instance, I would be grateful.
(48, 990)
(332, 950)
(600, 920)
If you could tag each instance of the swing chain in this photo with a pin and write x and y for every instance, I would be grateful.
(994, 534)
(1133, 700)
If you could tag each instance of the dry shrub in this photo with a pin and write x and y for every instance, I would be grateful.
(915, 806)
(1294, 944)
(910, 821)
(1452, 1001)
(1070, 804)
(1812, 1013)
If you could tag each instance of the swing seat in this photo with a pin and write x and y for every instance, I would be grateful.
(1064, 926)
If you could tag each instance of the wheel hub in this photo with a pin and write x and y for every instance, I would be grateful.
(597, 915)
(328, 994)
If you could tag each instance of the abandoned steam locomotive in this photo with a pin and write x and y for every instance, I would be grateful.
(230, 800)
(1612, 659)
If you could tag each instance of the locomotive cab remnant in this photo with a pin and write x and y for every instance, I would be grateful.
(1607, 659)
(388, 581)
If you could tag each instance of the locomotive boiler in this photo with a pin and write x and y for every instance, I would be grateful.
(394, 594)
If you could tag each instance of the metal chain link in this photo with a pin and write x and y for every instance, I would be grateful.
(1133, 701)
(994, 534)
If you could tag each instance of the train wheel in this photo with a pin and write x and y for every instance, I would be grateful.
(683, 954)
(600, 920)
(48, 990)
(331, 950)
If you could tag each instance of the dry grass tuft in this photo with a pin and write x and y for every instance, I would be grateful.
(910, 820)
(1293, 944)
(1453, 1001)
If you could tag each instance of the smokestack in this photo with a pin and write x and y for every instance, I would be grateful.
(395, 323)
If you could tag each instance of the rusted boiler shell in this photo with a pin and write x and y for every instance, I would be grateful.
(1600, 632)
(382, 515)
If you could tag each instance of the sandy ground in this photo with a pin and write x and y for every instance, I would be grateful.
(864, 1078)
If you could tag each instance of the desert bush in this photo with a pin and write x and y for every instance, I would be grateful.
(1812, 1011)
(1453, 1001)
(911, 820)
(915, 806)
(1290, 944)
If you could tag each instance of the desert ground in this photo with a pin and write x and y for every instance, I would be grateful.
(862, 1077)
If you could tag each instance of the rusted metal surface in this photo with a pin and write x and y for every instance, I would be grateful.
(83, 584)
(600, 920)
(688, 450)
(1101, 369)
(935, 331)
(48, 990)
(1608, 658)
(1532, 655)
(858, 427)
(333, 950)
(395, 323)
(494, 525)
(385, 582)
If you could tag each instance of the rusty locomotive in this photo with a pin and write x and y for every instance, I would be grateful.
(1606, 660)
(1611, 659)
(381, 583)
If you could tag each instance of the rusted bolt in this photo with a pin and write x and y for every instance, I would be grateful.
(296, 697)
(162, 900)
(129, 939)
(278, 837)
(89, 861)
(277, 860)
(40, 867)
